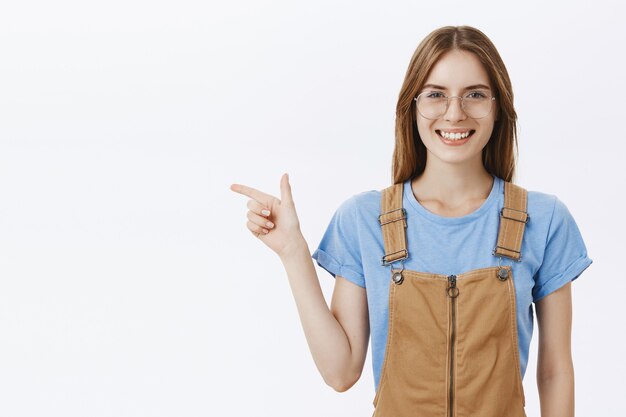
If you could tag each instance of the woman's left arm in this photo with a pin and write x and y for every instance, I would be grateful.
(555, 369)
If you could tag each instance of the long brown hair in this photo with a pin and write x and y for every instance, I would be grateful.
(499, 155)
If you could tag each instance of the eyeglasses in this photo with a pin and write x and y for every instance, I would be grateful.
(433, 104)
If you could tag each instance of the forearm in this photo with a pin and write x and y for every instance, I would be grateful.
(327, 340)
(556, 393)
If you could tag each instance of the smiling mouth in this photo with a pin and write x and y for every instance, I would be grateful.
(455, 136)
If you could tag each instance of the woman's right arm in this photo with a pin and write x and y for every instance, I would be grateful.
(337, 337)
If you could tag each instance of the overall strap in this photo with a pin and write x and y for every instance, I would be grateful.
(393, 223)
(513, 219)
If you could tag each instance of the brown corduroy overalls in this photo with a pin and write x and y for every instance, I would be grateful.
(452, 348)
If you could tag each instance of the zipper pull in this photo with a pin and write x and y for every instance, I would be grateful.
(452, 290)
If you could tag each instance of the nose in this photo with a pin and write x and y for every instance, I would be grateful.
(454, 112)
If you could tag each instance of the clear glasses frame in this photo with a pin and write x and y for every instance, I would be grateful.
(491, 100)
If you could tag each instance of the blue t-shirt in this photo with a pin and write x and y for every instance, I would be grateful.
(553, 252)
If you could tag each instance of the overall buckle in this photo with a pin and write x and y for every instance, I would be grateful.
(526, 219)
(385, 262)
(402, 217)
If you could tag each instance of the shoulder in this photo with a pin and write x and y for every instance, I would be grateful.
(547, 209)
(365, 202)
(359, 211)
(541, 204)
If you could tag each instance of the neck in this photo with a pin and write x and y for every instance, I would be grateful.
(453, 184)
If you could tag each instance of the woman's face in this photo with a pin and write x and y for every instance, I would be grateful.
(457, 73)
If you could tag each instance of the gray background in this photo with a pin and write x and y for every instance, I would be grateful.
(129, 284)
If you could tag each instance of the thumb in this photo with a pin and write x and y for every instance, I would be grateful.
(285, 189)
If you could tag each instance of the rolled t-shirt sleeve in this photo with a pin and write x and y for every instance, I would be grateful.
(565, 254)
(339, 250)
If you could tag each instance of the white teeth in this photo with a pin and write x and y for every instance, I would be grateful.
(454, 136)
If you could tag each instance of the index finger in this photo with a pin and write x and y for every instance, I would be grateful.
(259, 196)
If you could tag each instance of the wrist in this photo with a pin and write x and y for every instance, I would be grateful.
(294, 248)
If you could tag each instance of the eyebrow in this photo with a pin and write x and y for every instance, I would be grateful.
(471, 87)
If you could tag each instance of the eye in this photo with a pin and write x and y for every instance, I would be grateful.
(476, 95)
(435, 94)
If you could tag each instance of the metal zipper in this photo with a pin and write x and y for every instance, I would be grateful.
(452, 292)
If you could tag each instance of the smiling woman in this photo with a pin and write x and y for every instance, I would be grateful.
(442, 266)
(456, 81)
(443, 121)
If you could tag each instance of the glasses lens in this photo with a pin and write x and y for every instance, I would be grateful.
(476, 106)
(431, 106)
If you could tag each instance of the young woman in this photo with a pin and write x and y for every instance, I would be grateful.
(443, 266)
